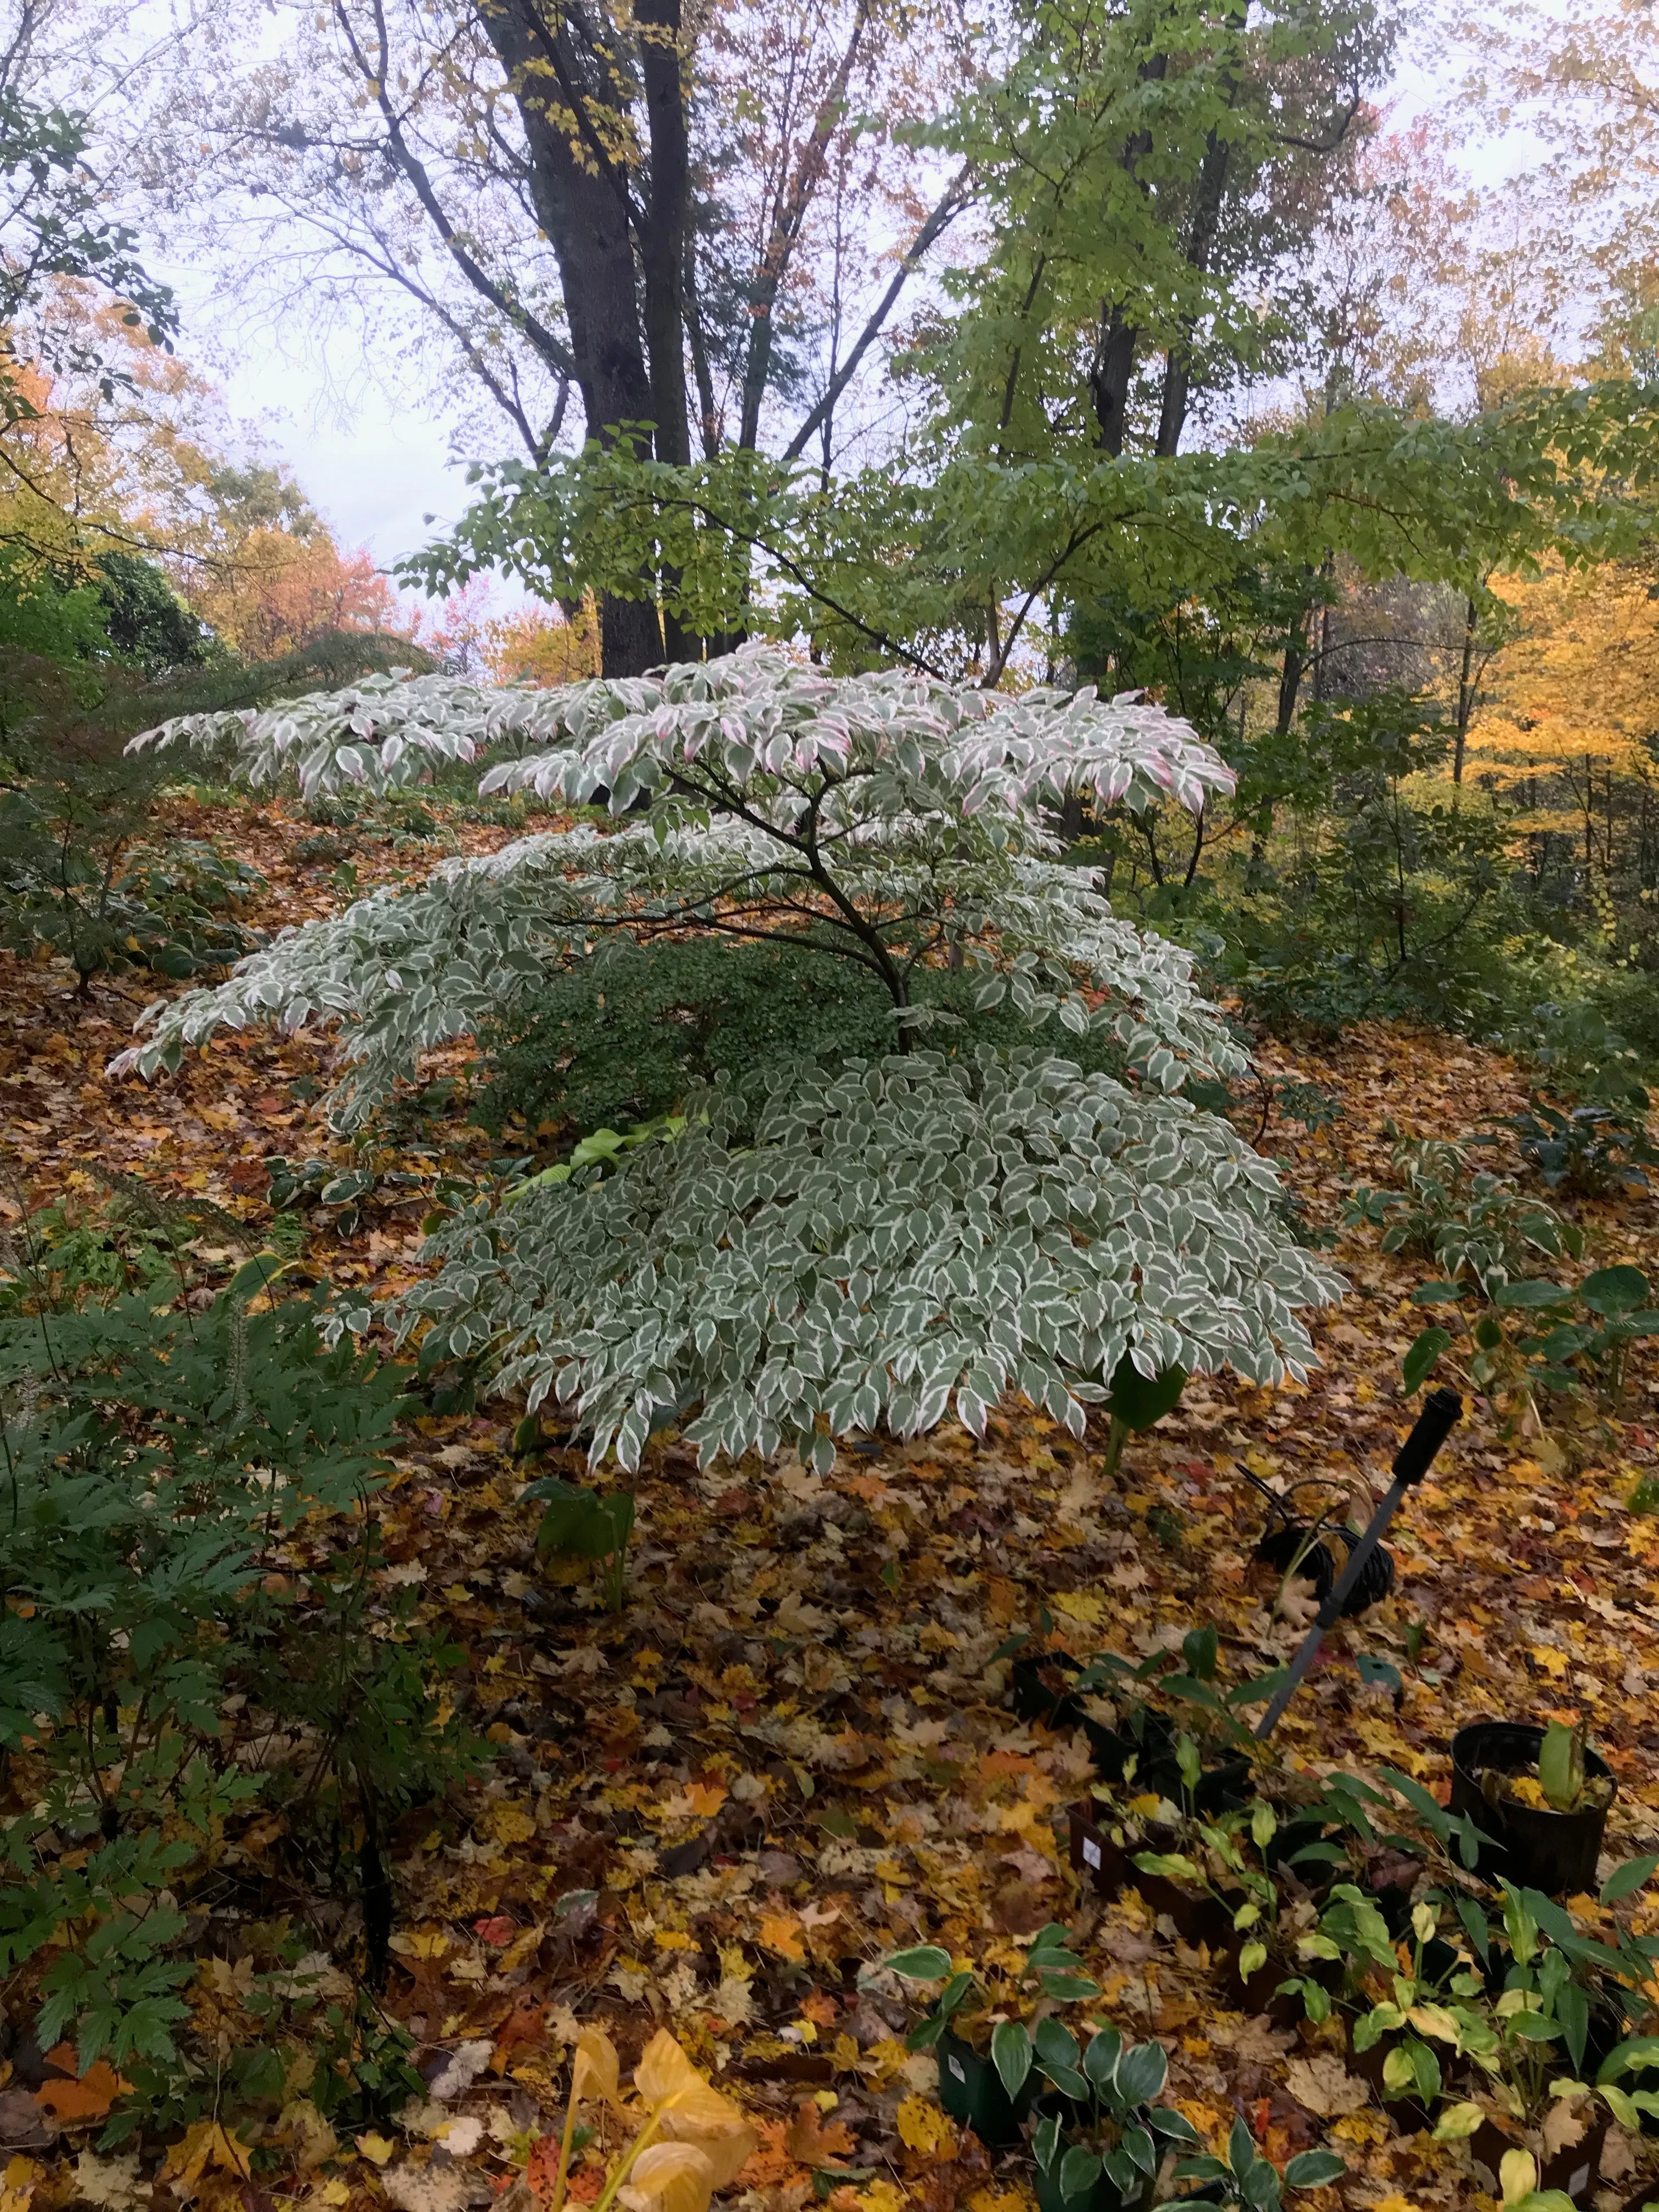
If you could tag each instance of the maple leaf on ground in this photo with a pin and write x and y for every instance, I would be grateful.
(77, 2102)
(810, 2143)
(1298, 1604)
(923, 2127)
(1325, 2086)
(206, 2147)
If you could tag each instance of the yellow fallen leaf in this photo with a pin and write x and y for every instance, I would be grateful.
(881, 2196)
(1553, 1662)
(205, 2145)
(1086, 1606)
(922, 2126)
(782, 1935)
(375, 2149)
(309, 2136)
(18, 2181)
(510, 1824)
(335, 2191)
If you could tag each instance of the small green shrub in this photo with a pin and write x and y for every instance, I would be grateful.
(1475, 1225)
(157, 1466)
(1588, 1150)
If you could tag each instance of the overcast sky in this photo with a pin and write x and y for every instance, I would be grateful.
(377, 462)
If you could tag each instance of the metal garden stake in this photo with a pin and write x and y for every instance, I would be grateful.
(1442, 1410)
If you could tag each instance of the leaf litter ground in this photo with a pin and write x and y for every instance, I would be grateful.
(792, 1753)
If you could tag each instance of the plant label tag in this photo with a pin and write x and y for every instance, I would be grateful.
(1091, 1851)
(956, 2067)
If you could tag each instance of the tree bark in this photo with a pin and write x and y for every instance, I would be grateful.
(1465, 689)
(1115, 345)
(583, 199)
(1200, 244)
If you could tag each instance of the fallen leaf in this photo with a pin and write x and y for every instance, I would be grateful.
(810, 2143)
(1324, 2086)
(922, 2126)
(74, 2102)
(205, 2145)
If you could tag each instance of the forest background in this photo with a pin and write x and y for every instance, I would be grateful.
(1153, 346)
(1141, 346)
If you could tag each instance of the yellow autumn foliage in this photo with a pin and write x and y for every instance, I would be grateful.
(1577, 685)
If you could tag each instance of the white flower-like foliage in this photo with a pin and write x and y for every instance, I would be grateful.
(898, 1239)
(385, 732)
(902, 1240)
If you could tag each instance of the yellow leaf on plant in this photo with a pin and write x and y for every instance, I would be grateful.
(669, 2177)
(596, 2070)
(782, 1935)
(690, 2109)
(922, 2126)
(1517, 2175)
(1457, 2122)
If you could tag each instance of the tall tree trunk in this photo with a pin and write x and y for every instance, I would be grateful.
(1290, 677)
(572, 107)
(1200, 244)
(662, 253)
(1108, 378)
(1115, 341)
(1465, 689)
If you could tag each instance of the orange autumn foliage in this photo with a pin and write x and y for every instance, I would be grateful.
(277, 591)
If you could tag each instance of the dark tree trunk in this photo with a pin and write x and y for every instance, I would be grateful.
(1109, 379)
(1200, 244)
(582, 199)
(1114, 344)
(662, 254)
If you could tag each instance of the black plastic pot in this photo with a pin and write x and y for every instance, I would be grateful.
(1573, 2171)
(1198, 1917)
(970, 2089)
(1555, 1852)
(1042, 1692)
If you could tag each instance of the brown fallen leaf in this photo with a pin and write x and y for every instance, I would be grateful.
(813, 2144)
(1324, 2087)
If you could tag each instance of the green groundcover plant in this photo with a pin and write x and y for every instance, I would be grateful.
(902, 1235)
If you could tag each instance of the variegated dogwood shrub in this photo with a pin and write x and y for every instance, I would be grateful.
(880, 1241)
